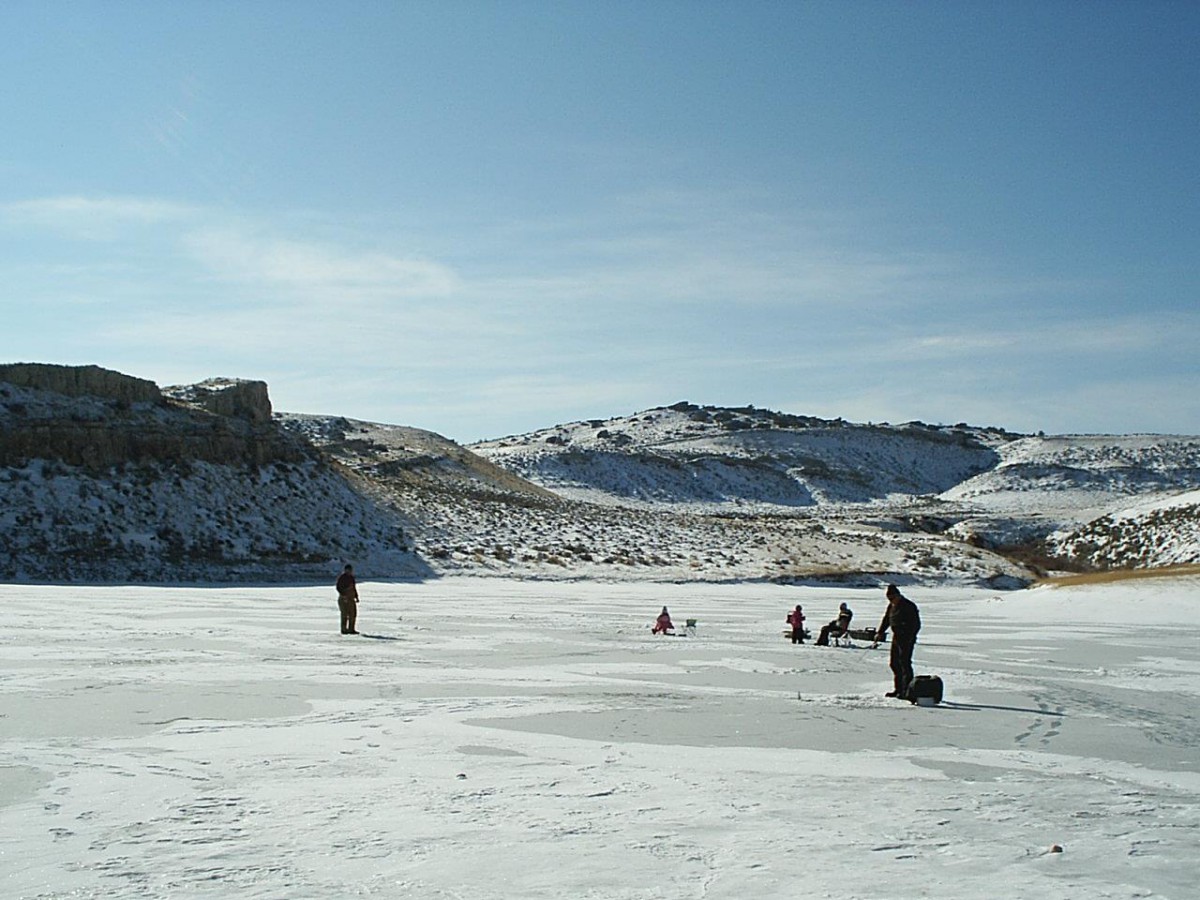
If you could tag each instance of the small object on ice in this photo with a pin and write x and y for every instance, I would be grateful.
(799, 696)
(1056, 848)
(461, 776)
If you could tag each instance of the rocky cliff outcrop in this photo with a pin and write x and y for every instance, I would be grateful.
(93, 417)
(236, 398)
(80, 381)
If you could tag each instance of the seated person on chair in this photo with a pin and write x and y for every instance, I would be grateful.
(836, 628)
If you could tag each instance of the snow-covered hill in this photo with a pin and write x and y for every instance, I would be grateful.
(688, 454)
(195, 522)
(104, 477)
(1088, 473)
(1157, 532)
(1059, 485)
(95, 486)
(469, 515)
(983, 486)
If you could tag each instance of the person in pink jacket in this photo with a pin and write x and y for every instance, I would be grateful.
(796, 620)
(663, 623)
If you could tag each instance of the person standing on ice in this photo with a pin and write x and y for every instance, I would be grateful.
(663, 623)
(903, 617)
(796, 620)
(347, 591)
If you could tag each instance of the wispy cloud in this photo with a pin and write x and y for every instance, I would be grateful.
(232, 252)
(93, 218)
(730, 252)
(238, 256)
(1050, 336)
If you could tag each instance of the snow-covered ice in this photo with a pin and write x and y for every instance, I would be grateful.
(488, 738)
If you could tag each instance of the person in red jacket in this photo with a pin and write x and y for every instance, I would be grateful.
(796, 620)
(663, 623)
(347, 591)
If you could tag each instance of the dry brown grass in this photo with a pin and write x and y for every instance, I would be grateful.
(1121, 575)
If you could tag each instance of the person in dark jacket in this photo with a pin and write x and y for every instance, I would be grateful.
(837, 628)
(904, 619)
(347, 591)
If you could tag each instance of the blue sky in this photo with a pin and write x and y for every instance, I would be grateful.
(486, 218)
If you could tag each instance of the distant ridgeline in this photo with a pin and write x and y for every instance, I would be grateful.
(105, 477)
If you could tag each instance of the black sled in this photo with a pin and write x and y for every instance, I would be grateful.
(864, 634)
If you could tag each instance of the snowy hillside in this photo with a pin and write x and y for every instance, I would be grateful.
(97, 488)
(687, 454)
(1084, 472)
(416, 458)
(1159, 532)
(984, 487)
(106, 477)
(1055, 485)
(469, 515)
(198, 522)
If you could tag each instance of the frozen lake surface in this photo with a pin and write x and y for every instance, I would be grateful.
(486, 738)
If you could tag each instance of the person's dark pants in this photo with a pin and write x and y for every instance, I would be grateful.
(826, 630)
(902, 667)
(349, 610)
(798, 635)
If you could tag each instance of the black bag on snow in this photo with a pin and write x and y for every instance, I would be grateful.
(927, 688)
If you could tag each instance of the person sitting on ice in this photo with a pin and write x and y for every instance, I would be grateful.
(837, 628)
(663, 623)
(796, 619)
